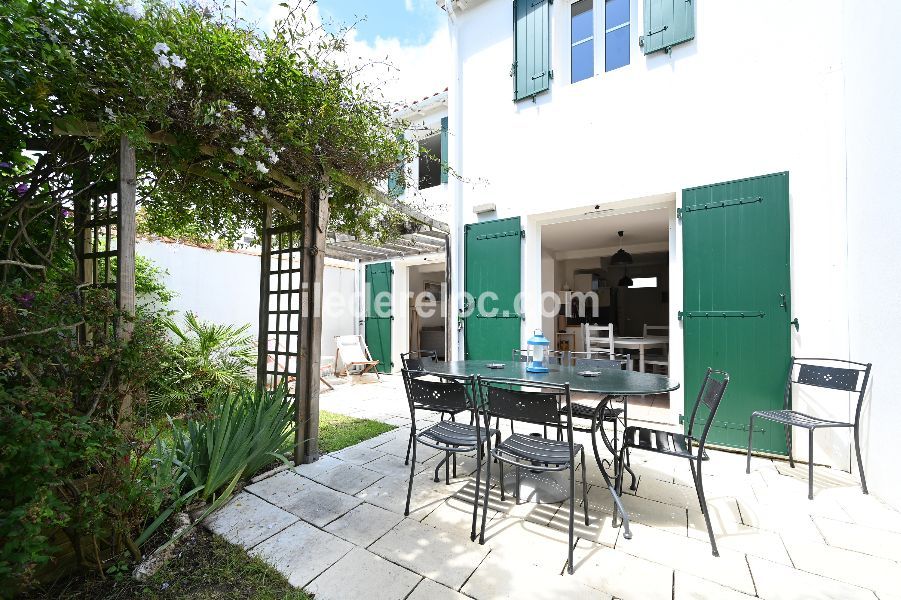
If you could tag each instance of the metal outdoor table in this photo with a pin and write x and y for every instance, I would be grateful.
(545, 486)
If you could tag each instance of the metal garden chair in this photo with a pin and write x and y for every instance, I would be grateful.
(551, 406)
(449, 394)
(818, 372)
(679, 445)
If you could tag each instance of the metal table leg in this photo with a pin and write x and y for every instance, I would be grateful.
(602, 408)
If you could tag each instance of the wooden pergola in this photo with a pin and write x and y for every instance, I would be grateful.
(294, 246)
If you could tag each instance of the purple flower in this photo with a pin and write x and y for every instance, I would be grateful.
(22, 189)
(26, 300)
(6, 165)
(65, 212)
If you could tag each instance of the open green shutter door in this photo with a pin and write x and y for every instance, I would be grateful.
(443, 149)
(493, 254)
(737, 301)
(531, 48)
(667, 23)
(378, 313)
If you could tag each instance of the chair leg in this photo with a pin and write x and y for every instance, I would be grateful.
(788, 444)
(487, 487)
(750, 437)
(447, 457)
(699, 484)
(476, 492)
(455, 465)
(572, 513)
(410, 484)
(584, 488)
(863, 478)
(500, 466)
(409, 444)
(518, 479)
(618, 484)
(810, 464)
(694, 476)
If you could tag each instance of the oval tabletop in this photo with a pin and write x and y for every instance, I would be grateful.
(608, 381)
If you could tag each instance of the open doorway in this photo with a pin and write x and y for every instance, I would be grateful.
(612, 270)
(427, 308)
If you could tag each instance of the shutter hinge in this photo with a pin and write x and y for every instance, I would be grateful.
(522, 233)
(680, 315)
(681, 419)
(679, 213)
(550, 74)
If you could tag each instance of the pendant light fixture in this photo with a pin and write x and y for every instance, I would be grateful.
(625, 280)
(621, 257)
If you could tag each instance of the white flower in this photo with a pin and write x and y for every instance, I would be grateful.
(161, 48)
(317, 74)
(135, 11)
(178, 61)
(50, 33)
(179, 83)
(256, 54)
(273, 157)
(259, 112)
(110, 113)
(262, 168)
(163, 60)
(238, 151)
(265, 131)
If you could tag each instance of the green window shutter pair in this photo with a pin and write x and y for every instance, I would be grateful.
(667, 23)
(396, 177)
(531, 48)
(444, 157)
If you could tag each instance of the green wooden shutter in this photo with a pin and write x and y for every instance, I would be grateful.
(444, 150)
(667, 23)
(493, 255)
(378, 326)
(531, 48)
(737, 302)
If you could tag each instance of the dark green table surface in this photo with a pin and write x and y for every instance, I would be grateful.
(609, 382)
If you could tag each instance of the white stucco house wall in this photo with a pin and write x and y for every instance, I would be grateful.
(761, 86)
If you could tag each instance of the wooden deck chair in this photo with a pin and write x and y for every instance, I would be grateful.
(284, 364)
(353, 352)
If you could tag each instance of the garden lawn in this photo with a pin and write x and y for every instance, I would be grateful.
(340, 431)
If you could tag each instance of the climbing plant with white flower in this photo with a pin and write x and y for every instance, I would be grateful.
(218, 111)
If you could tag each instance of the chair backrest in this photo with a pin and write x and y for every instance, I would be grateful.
(557, 357)
(352, 349)
(598, 338)
(504, 399)
(521, 355)
(832, 374)
(595, 364)
(710, 394)
(444, 395)
(656, 330)
(416, 360)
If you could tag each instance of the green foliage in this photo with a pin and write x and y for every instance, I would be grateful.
(218, 111)
(149, 286)
(207, 360)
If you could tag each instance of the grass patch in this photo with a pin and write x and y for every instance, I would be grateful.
(204, 567)
(340, 431)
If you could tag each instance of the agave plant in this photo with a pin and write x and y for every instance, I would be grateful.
(208, 457)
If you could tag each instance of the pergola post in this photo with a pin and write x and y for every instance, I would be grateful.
(316, 215)
(125, 237)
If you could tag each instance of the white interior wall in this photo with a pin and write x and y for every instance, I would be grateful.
(224, 287)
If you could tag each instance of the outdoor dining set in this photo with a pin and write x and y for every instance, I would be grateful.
(477, 399)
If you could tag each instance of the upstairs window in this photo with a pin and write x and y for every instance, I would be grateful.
(582, 40)
(616, 34)
(430, 161)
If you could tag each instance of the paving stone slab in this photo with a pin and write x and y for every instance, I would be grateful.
(504, 579)
(358, 454)
(388, 464)
(281, 489)
(301, 552)
(620, 574)
(431, 552)
(866, 540)
(325, 463)
(870, 572)
(391, 493)
(431, 590)
(739, 538)
(361, 575)
(247, 520)
(689, 587)
(778, 582)
(364, 524)
(347, 478)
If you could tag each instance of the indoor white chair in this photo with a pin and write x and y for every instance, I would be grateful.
(598, 340)
(656, 359)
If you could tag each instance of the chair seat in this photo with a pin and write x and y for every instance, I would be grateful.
(797, 419)
(529, 448)
(584, 411)
(662, 442)
(452, 435)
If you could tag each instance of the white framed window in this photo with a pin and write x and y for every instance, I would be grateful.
(581, 40)
(616, 34)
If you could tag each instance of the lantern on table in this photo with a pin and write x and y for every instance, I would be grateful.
(538, 347)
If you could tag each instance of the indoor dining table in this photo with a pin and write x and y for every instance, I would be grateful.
(607, 384)
(641, 344)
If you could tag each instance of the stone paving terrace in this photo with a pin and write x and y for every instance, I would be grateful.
(336, 528)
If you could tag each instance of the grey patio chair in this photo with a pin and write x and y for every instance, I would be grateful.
(452, 395)
(551, 406)
(821, 373)
(679, 445)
